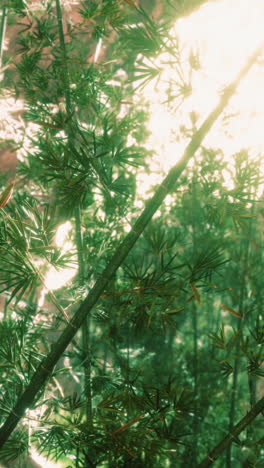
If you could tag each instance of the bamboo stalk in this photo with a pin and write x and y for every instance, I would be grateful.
(46, 366)
(194, 318)
(85, 327)
(231, 436)
(2, 33)
(65, 72)
(244, 255)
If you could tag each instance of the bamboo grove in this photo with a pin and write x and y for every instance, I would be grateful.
(152, 354)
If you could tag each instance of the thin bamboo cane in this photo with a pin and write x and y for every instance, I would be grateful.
(232, 435)
(2, 32)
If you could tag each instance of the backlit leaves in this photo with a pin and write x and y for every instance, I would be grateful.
(28, 235)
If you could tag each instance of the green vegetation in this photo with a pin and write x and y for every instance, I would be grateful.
(152, 354)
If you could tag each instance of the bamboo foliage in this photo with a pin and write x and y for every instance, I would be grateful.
(45, 368)
(131, 362)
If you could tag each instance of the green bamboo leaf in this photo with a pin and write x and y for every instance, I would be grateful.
(6, 194)
(175, 311)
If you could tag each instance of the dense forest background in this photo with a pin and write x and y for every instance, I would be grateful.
(151, 354)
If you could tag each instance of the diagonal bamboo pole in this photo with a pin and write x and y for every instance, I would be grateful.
(231, 436)
(46, 366)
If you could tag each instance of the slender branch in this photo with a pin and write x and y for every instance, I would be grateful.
(86, 324)
(231, 436)
(65, 71)
(194, 318)
(244, 267)
(78, 222)
(46, 366)
(85, 329)
(234, 390)
(79, 243)
(2, 33)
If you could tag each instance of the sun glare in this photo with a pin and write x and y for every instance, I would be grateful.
(224, 33)
(43, 462)
(55, 279)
